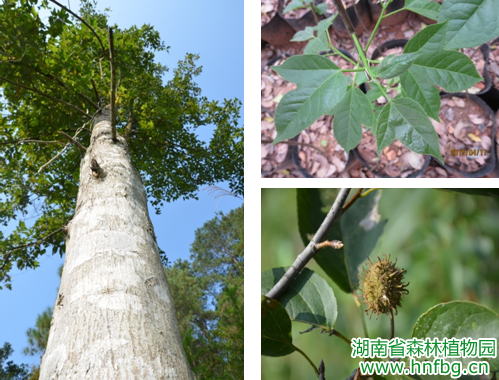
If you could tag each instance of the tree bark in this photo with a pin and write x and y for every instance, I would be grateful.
(114, 316)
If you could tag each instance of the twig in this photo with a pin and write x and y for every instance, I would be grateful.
(54, 158)
(352, 201)
(310, 250)
(84, 22)
(81, 147)
(335, 244)
(57, 80)
(344, 16)
(6, 255)
(39, 142)
(367, 192)
(312, 328)
(296, 143)
(322, 371)
(47, 96)
(113, 88)
(308, 359)
(68, 144)
(95, 90)
(341, 336)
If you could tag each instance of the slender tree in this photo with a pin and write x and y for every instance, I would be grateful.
(88, 132)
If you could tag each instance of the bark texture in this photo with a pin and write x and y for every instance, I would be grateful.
(114, 316)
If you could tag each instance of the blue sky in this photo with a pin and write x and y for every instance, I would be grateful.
(212, 29)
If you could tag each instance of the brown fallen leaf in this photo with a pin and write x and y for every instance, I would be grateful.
(474, 137)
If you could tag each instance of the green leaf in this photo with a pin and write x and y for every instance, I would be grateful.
(295, 4)
(321, 85)
(405, 120)
(304, 35)
(349, 115)
(360, 78)
(451, 70)
(276, 329)
(321, 8)
(426, 8)
(427, 95)
(471, 22)
(394, 65)
(374, 93)
(317, 44)
(309, 298)
(459, 319)
(359, 229)
(323, 25)
(429, 39)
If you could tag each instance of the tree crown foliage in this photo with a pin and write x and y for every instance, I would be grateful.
(208, 293)
(47, 74)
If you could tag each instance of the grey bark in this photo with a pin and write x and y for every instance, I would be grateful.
(114, 316)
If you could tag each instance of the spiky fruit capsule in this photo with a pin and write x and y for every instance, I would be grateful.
(381, 286)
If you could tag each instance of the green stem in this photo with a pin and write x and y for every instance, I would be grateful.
(367, 192)
(352, 70)
(381, 16)
(342, 337)
(310, 361)
(383, 90)
(392, 13)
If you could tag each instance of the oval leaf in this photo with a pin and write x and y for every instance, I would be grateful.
(309, 299)
(349, 115)
(405, 120)
(426, 8)
(394, 65)
(471, 22)
(276, 329)
(321, 85)
(459, 319)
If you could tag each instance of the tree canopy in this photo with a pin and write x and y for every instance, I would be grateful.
(209, 298)
(55, 77)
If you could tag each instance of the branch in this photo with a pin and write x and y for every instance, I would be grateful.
(47, 96)
(311, 249)
(113, 84)
(37, 141)
(6, 255)
(95, 90)
(57, 80)
(54, 158)
(84, 22)
(66, 146)
(295, 143)
(344, 16)
(81, 147)
(353, 199)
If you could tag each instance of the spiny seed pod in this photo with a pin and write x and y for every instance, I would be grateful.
(381, 286)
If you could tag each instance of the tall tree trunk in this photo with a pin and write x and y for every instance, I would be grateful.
(114, 316)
